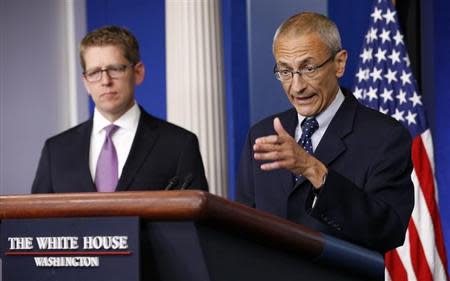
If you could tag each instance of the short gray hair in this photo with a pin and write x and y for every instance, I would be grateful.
(307, 23)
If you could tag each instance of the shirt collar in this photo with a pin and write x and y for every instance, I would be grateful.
(324, 118)
(127, 121)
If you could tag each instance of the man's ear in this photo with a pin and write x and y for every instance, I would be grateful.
(139, 73)
(340, 60)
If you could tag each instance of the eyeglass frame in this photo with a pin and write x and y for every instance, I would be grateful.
(123, 68)
(276, 71)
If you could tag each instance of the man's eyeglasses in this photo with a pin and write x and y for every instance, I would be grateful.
(114, 71)
(309, 71)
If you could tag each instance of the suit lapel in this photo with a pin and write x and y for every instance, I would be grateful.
(332, 144)
(87, 184)
(146, 136)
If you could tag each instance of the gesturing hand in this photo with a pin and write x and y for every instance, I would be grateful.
(281, 151)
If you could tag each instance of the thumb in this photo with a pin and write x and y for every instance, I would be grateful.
(279, 127)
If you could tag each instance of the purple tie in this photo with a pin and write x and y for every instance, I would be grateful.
(106, 175)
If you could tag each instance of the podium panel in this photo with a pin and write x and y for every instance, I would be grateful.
(71, 249)
(194, 235)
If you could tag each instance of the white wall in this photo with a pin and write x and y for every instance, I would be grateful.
(40, 88)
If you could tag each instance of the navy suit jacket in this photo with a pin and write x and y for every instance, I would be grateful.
(368, 195)
(160, 151)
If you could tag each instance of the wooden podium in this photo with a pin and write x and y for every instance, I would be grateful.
(194, 235)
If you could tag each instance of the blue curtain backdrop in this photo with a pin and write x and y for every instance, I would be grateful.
(251, 91)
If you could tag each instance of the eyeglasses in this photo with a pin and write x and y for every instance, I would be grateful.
(309, 71)
(114, 71)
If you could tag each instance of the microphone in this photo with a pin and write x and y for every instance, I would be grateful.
(172, 182)
(187, 181)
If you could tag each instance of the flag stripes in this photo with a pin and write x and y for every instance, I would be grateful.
(398, 271)
(419, 261)
(385, 82)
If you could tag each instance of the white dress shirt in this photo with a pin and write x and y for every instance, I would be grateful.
(122, 138)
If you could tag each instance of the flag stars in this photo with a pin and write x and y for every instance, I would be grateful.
(376, 74)
(394, 56)
(376, 15)
(383, 110)
(371, 93)
(389, 16)
(398, 115)
(401, 97)
(416, 99)
(385, 36)
(384, 80)
(366, 55)
(398, 38)
(381, 55)
(406, 78)
(363, 74)
(391, 75)
(372, 35)
(358, 93)
(367, 37)
(406, 59)
(411, 117)
(387, 95)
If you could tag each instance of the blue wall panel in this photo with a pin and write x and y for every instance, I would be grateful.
(264, 17)
(236, 83)
(146, 20)
(352, 24)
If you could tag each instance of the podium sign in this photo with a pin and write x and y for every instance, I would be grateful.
(71, 249)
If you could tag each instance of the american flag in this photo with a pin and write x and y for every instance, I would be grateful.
(384, 81)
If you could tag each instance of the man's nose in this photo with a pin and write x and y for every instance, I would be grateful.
(298, 83)
(106, 78)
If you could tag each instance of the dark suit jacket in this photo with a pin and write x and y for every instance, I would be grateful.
(368, 195)
(160, 151)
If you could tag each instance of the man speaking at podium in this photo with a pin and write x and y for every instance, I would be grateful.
(328, 163)
(122, 147)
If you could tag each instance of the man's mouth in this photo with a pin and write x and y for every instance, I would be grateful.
(108, 94)
(303, 100)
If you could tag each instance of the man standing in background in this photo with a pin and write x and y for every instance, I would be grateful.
(122, 147)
